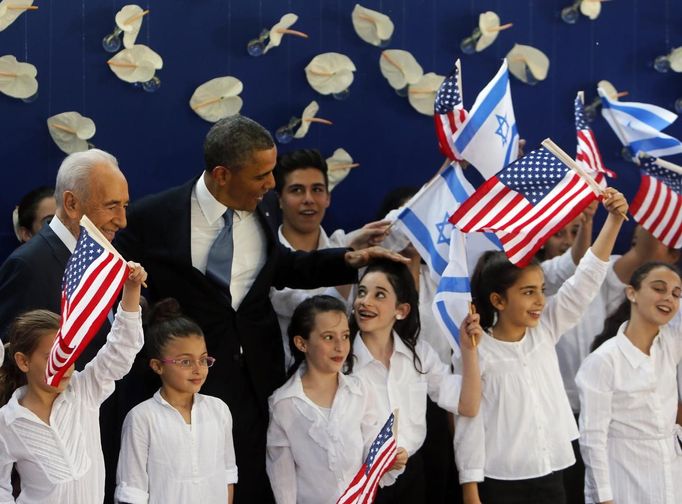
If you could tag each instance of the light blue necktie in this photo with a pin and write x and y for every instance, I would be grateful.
(219, 264)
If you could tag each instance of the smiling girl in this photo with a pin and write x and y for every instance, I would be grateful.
(628, 397)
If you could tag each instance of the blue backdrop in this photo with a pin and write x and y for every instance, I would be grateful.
(158, 138)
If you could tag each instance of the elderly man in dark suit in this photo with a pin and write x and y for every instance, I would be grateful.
(175, 235)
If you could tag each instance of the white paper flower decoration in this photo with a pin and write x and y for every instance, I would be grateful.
(372, 26)
(422, 93)
(400, 68)
(129, 19)
(610, 90)
(330, 73)
(217, 98)
(676, 59)
(17, 79)
(523, 59)
(135, 64)
(339, 166)
(10, 10)
(308, 117)
(591, 8)
(282, 28)
(489, 26)
(71, 131)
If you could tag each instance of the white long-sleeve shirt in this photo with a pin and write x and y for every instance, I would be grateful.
(62, 462)
(628, 436)
(164, 460)
(525, 425)
(404, 388)
(313, 453)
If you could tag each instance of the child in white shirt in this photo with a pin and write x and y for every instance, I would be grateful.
(52, 433)
(177, 446)
(628, 394)
(520, 441)
(402, 368)
(321, 421)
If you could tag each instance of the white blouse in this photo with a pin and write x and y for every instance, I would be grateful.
(313, 453)
(63, 462)
(165, 460)
(525, 425)
(404, 388)
(628, 436)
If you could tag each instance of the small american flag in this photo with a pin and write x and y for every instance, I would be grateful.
(449, 112)
(382, 453)
(657, 206)
(94, 275)
(525, 204)
(587, 153)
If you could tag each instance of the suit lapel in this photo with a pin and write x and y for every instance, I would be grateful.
(59, 251)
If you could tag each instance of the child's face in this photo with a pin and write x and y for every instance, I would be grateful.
(34, 365)
(562, 240)
(328, 344)
(658, 297)
(376, 305)
(183, 380)
(523, 302)
(304, 199)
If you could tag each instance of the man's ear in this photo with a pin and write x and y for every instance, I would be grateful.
(72, 206)
(221, 175)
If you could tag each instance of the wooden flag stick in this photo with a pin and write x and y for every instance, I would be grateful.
(286, 31)
(343, 166)
(23, 7)
(63, 128)
(102, 240)
(472, 311)
(135, 17)
(318, 120)
(548, 144)
(395, 424)
(669, 166)
(500, 28)
(206, 102)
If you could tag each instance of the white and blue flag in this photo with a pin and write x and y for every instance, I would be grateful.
(489, 138)
(638, 126)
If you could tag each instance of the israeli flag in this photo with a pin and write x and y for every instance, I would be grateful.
(638, 126)
(451, 302)
(489, 138)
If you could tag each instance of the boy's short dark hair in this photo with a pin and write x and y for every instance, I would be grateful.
(296, 160)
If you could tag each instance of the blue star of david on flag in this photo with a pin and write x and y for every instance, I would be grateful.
(502, 128)
(443, 236)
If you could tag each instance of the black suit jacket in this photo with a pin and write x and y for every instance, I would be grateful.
(31, 278)
(158, 236)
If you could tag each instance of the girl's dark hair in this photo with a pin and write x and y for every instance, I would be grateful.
(622, 314)
(303, 323)
(401, 280)
(165, 322)
(28, 206)
(24, 336)
(493, 273)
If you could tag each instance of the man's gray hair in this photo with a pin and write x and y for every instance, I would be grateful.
(232, 141)
(74, 173)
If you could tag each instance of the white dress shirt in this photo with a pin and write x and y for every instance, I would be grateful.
(164, 460)
(62, 462)
(404, 388)
(248, 237)
(285, 301)
(313, 453)
(628, 436)
(557, 270)
(63, 233)
(525, 425)
(575, 344)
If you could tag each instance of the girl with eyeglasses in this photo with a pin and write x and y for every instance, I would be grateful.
(52, 433)
(177, 446)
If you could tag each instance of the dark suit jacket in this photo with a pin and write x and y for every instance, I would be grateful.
(158, 236)
(31, 278)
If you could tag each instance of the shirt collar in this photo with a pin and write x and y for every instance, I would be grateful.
(363, 356)
(322, 242)
(294, 386)
(159, 399)
(63, 233)
(210, 207)
(14, 410)
(632, 354)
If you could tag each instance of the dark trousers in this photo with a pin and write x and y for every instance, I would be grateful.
(440, 472)
(574, 477)
(409, 488)
(543, 490)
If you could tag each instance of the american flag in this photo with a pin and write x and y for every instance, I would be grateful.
(449, 112)
(525, 204)
(657, 206)
(587, 153)
(93, 278)
(382, 453)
